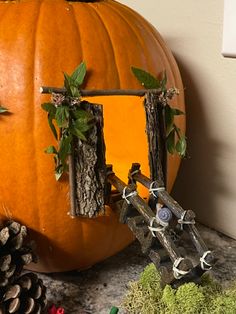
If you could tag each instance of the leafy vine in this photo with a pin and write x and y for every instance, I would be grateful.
(172, 131)
(67, 119)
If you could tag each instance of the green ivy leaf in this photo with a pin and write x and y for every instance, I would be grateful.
(52, 126)
(71, 87)
(170, 142)
(163, 82)
(62, 116)
(181, 146)
(81, 114)
(60, 169)
(82, 125)
(51, 150)
(3, 109)
(49, 107)
(73, 82)
(78, 133)
(51, 110)
(68, 82)
(68, 78)
(65, 148)
(177, 112)
(145, 78)
(59, 172)
(74, 91)
(79, 74)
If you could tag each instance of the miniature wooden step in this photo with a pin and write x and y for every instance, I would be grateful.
(184, 218)
(146, 216)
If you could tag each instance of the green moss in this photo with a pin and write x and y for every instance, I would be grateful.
(147, 296)
(224, 302)
(144, 296)
(189, 298)
(210, 285)
(168, 300)
(150, 280)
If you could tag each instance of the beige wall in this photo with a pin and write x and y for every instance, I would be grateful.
(193, 30)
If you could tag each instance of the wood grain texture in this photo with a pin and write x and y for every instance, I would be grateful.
(91, 167)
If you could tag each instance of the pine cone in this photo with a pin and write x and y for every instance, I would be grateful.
(27, 295)
(14, 253)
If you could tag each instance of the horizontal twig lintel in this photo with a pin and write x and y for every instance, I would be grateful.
(101, 92)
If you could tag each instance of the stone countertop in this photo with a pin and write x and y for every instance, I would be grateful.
(97, 289)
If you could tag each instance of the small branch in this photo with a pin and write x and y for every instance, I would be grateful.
(91, 166)
(101, 92)
(72, 180)
(147, 215)
(155, 131)
(178, 211)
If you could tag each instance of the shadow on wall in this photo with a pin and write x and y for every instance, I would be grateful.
(200, 179)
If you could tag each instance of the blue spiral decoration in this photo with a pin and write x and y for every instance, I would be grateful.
(164, 214)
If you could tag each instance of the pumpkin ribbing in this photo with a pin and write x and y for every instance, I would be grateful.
(30, 57)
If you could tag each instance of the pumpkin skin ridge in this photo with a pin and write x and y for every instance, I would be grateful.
(32, 115)
(31, 134)
(130, 26)
(166, 50)
(77, 28)
(160, 42)
(56, 202)
(109, 246)
(139, 36)
(37, 214)
(111, 44)
(90, 7)
(123, 77)
(38, 218)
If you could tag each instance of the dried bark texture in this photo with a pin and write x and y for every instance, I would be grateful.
(98, 92)
(90, 167)
(178, 211)
(155, 130)
(137, 224)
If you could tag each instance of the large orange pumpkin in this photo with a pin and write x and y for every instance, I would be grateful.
(38, 41)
